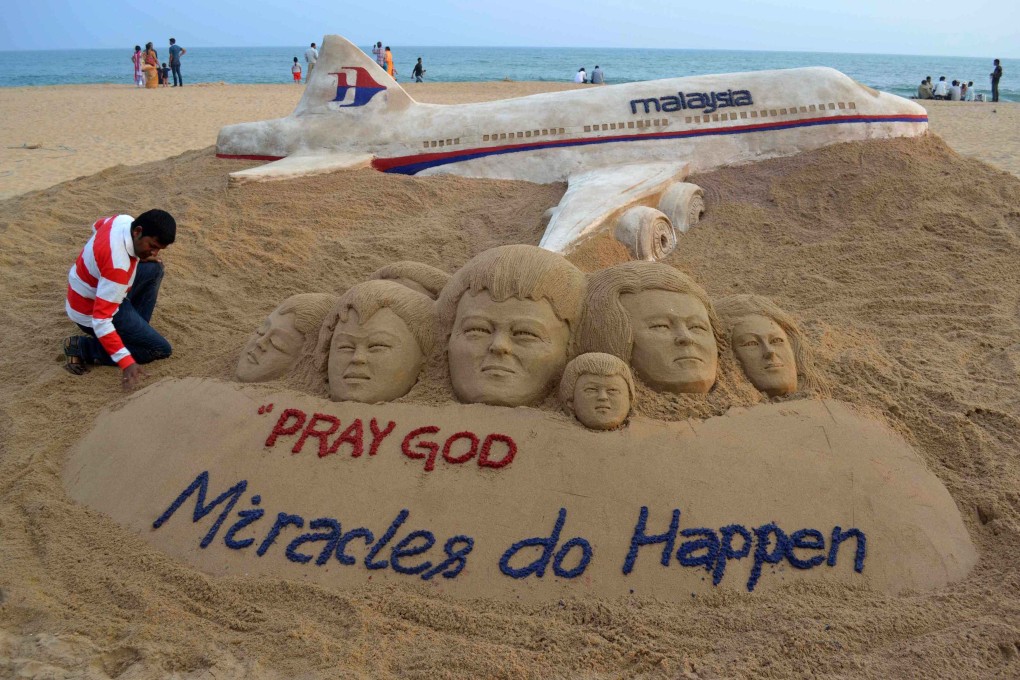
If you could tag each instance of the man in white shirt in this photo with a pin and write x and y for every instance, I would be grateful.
(941, 89)
(311, 56)
(955, 91)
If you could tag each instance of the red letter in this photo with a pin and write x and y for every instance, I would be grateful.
(352, 435)
(279, 428)
(462, 458)
(483, 458)
(431, 447)
(377, 436)
(310, 431)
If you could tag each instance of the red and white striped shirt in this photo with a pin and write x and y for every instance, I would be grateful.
(100, 279)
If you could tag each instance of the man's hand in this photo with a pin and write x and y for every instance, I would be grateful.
(132, 377)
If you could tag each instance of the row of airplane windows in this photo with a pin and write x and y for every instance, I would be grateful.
(655, 122)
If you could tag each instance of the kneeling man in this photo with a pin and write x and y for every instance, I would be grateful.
(111, 294)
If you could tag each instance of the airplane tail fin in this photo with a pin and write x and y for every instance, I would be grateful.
(345, 79)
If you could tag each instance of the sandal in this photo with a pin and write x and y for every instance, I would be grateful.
(74, 365)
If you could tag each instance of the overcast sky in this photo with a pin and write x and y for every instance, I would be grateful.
(979, 28)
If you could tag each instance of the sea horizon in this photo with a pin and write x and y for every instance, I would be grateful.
(896, 73)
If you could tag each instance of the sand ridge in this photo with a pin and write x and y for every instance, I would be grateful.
(898, 257)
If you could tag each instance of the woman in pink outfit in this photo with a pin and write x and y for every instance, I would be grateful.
(137, 60)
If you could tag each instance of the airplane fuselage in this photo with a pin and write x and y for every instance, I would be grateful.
(707, 121)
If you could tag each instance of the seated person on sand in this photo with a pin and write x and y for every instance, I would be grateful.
(415, 275)
(111, 293)
(508, 318)
(767, 343)
(597, 390)
(658, 320)
(375, 341)
(277, 344)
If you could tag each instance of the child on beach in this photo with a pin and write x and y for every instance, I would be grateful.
(296, 70)
(164, 74)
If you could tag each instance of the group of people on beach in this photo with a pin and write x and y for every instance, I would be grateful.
(597, 76)
(148, 71)
(957, 90)
(383, 57)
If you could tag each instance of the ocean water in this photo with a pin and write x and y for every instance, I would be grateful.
(898, 74)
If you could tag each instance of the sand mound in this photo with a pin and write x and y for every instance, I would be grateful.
(899, 257)
(799, 492)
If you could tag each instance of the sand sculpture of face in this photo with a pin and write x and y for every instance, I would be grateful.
(508, 315)
(658, 320)
(597, 389)
(377, 339)
(274, 348)
(765, 341)
(417, 276)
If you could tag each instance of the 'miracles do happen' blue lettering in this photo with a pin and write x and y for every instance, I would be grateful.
(410, 553)
(712, 550)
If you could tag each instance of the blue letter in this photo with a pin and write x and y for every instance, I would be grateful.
(726, 551)
(386, 538)
(709, 541)
(641, 539)
(201, 484)
(761, 553)
(838, 536)
(586, 553)
(798, 539)
(282, 520)
(332, 537)
(542, 561)
(454, 557)
(402, 550)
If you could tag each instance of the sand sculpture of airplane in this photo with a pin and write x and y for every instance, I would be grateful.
(624, 150)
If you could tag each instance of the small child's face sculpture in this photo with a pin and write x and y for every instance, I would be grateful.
(766, 355)
(505, 353)
(601, 402)
(373, 361)
(272, 350)
(674, 347)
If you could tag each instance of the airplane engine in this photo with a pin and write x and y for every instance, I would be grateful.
(647, 232)
(684, 204)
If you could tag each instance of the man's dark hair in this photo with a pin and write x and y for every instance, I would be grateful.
(158, 223)
(942, 78)
(313, 44)
(138, 48)
(996, 62)
(172, 41)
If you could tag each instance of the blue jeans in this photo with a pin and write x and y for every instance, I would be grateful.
(132, 322)
(176, 68)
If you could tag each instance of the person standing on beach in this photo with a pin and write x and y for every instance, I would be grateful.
(296, 71)
(389, 62)
(380, 55)
(151, 65)
(176, 52)
(311, 56)
(995, 75)
(418, 72)
(111, 293)
(138, 60)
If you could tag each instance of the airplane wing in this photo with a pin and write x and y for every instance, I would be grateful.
(301, 165)
(598, 197)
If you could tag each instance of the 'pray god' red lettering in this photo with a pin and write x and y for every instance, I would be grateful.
(421, 443)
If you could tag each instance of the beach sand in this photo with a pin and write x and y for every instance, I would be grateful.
(901, 258)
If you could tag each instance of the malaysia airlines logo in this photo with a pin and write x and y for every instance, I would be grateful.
(354, 87)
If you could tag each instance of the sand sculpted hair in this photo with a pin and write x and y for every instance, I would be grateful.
(416, 310)
(594, 363)
(516, 271)
(426, 276)
(309, 309)
(733, 308)
(605, 326)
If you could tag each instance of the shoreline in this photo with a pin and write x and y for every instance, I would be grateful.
(116, 124)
